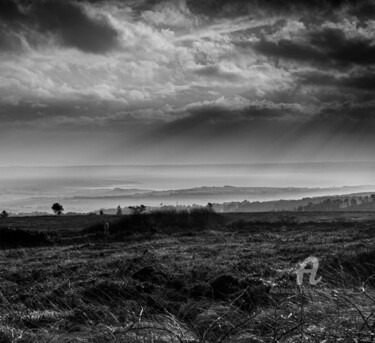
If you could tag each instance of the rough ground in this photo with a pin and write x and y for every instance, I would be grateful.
(228, 282)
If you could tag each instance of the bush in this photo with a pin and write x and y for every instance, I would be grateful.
(4, 214)
(195, 218)
(161, 220)
(171, 218)
(11, 238)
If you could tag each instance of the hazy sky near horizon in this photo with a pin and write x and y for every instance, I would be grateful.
(186, 81)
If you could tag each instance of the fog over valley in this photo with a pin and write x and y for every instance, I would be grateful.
(90, 188)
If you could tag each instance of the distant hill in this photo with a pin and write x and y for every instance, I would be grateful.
(347, 202)
(224, 199)
(344, 203)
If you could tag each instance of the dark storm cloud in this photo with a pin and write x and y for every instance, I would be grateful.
(336, 46)
(215, 71)
(288, 49)
(364, 10)
(203, 123)
(365, 82)
(250, 111)
(360, 81)
(233, 8)
(10, 11)
(225, 127)
(362, 114)
(66, 20)
(26, 111)
(9, 41)
(327, 46)
(75, 27)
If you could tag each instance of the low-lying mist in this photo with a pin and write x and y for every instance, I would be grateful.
(88, 188)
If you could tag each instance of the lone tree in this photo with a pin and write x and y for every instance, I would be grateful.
(119, 210)
(57, 208)
(4, 214)
(101, 212)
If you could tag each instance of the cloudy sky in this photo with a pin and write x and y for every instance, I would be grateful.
(186, 81)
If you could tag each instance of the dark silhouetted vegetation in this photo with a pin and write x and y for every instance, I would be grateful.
(137, 209)
(16, 238)
(119, 211)
(57, 208)
(171, 220)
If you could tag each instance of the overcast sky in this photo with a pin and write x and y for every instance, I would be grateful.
(186, 81)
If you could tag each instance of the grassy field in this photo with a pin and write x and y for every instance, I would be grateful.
(217, 279)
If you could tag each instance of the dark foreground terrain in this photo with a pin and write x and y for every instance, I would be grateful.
(216, 279)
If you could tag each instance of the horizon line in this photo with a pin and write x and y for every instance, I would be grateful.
(185, 164)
